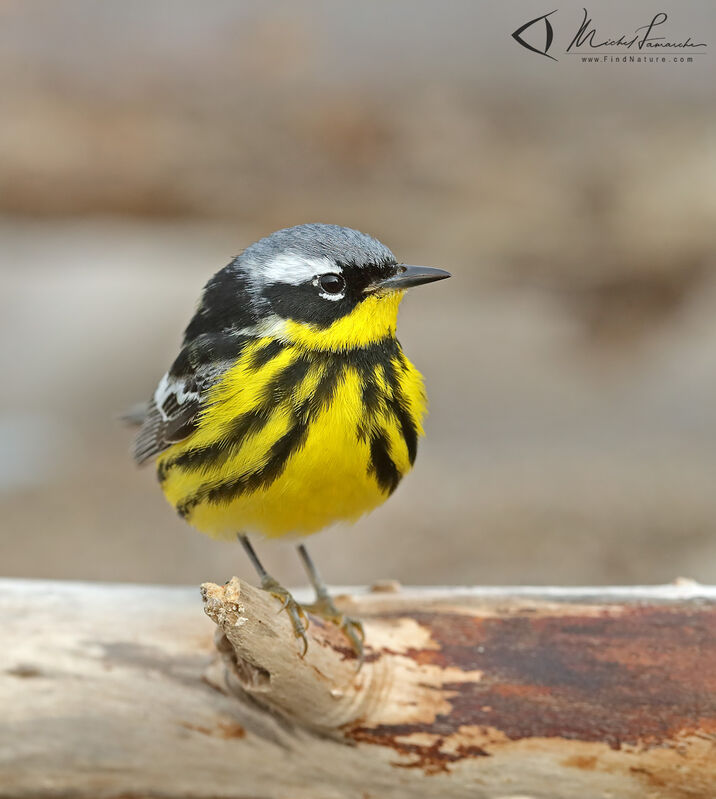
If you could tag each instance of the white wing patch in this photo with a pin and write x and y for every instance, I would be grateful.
(171, 416)
(171, 394)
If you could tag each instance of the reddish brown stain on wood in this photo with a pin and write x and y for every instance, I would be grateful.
(430, 758)
(24, 671)
(584, 762)
(627, 675)
(651, 778)
(231, 730)
(223, 729)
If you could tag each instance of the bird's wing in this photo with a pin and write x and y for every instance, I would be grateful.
(173, 412)
(170, 416)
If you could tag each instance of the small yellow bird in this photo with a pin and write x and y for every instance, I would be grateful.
(291, 405)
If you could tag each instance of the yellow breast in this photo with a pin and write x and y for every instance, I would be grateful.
(294, 439)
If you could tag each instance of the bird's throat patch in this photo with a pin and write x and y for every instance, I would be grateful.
(372, 320)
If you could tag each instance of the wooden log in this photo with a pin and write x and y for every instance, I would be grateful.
(120, 691)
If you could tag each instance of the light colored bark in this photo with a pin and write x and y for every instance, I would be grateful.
(109, 691)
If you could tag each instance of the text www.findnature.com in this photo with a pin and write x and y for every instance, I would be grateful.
(636, 59)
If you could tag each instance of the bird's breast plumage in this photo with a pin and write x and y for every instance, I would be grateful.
(291, 439)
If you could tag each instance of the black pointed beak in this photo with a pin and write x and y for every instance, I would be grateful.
(408, 276)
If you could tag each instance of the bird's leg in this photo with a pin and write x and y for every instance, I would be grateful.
(325, 609)
(295, 612)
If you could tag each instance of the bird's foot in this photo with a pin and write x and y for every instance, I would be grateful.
(295, 612)
(353, 630)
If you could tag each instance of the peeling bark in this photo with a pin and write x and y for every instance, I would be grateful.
(110, 691)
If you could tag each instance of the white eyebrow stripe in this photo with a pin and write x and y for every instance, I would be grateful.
(296, 269)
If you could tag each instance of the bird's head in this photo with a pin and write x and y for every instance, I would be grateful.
(322, 286)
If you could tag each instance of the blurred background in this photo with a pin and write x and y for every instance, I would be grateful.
(570, 361)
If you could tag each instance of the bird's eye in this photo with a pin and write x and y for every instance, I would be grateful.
(332, 284)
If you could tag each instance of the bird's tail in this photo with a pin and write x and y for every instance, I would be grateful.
(135, 415)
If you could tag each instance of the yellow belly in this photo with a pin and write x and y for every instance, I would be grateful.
(329, 476)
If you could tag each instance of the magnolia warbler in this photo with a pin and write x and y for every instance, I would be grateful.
(291, 405)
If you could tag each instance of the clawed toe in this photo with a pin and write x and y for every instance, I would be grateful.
(353, 630)
(296, 613)
(324, 608)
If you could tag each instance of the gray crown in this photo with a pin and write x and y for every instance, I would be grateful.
(341, 244)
